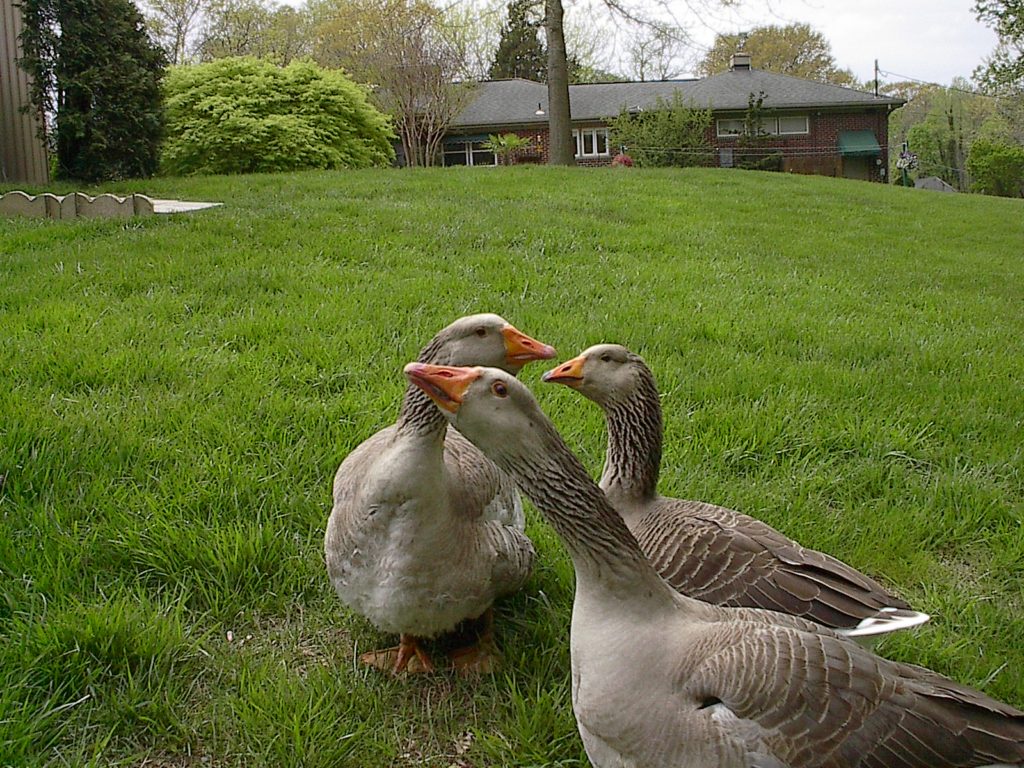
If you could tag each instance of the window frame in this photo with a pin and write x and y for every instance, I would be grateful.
(719, 122)
(806, 129)
(580, 135)
(467, 149)
(770, 126)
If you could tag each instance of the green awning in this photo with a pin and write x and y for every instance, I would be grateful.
(472, 139)
(858, 144)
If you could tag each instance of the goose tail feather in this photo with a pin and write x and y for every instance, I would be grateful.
(885, 621)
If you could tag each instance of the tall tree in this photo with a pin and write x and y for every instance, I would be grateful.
(559, 114)
(941, 124)
(95, 69)
(586, 46)
(1004, 70)
(520, 52)
(561, 147)
(403, 49)
(265, 30)
(172, 23)
(655, 53)
(474, 29)
(795, 49)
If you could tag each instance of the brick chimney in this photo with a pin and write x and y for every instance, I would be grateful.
(739, 61)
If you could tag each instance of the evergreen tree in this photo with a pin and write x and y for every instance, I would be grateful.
(98, 74)
(520, 52)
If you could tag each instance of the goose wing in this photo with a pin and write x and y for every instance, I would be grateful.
(478, 488)
(728, 558)
(803, 697)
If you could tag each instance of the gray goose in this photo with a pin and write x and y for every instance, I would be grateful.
(661, 680)
(703, 550)
(425, 531)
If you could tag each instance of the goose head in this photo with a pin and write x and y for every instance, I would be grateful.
(497, 413)
(488, 340)
(608, 374)
(492, 408)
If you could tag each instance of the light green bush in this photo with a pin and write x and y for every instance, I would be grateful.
(243, 115)
(672, 133)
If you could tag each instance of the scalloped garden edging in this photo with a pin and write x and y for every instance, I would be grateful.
(79, 205)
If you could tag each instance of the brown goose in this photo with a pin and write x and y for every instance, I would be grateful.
(661, 680)
(705, 551)
(425, 531)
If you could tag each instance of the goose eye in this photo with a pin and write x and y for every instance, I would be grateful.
(481, 331)
(606, 358)
(499, 389)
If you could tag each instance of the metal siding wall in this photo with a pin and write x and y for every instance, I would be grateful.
(22, 155)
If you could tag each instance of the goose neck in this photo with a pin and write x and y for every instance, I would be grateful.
(603, 550)
(418, 414)
(633, 458)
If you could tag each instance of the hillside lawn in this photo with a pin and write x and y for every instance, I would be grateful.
(843, 360)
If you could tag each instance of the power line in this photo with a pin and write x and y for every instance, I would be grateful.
(908, 78)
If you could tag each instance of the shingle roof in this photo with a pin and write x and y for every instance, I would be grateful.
(514, 102)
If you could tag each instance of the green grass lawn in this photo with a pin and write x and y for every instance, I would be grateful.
(841, 359)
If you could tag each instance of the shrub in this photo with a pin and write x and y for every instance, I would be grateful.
(242, 115)
(506, 146)
(674, 133)
(751, 158)
(997, 168)
(96, 71)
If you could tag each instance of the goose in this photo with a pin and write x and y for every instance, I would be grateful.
(426, 532)
(706, 551)
(662, 680)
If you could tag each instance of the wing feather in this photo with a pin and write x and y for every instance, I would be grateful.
(822, 700)
(728, 558)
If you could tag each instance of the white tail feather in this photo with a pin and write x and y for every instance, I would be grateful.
(885, 621)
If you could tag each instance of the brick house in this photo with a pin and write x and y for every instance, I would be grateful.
(817, 128)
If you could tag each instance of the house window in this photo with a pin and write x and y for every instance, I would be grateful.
(730, 127)
(478, 155)
(793, 124)
(591, 142)
(455, 154)
(770, 126)
(468, 153)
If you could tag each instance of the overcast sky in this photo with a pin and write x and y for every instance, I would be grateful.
(931, 40)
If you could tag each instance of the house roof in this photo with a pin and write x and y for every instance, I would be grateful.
(515, 102)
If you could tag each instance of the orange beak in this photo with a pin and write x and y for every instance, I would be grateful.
(569, 373)
(521, 349)
(444, 384)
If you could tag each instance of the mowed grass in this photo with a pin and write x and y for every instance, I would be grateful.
(841, 359)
